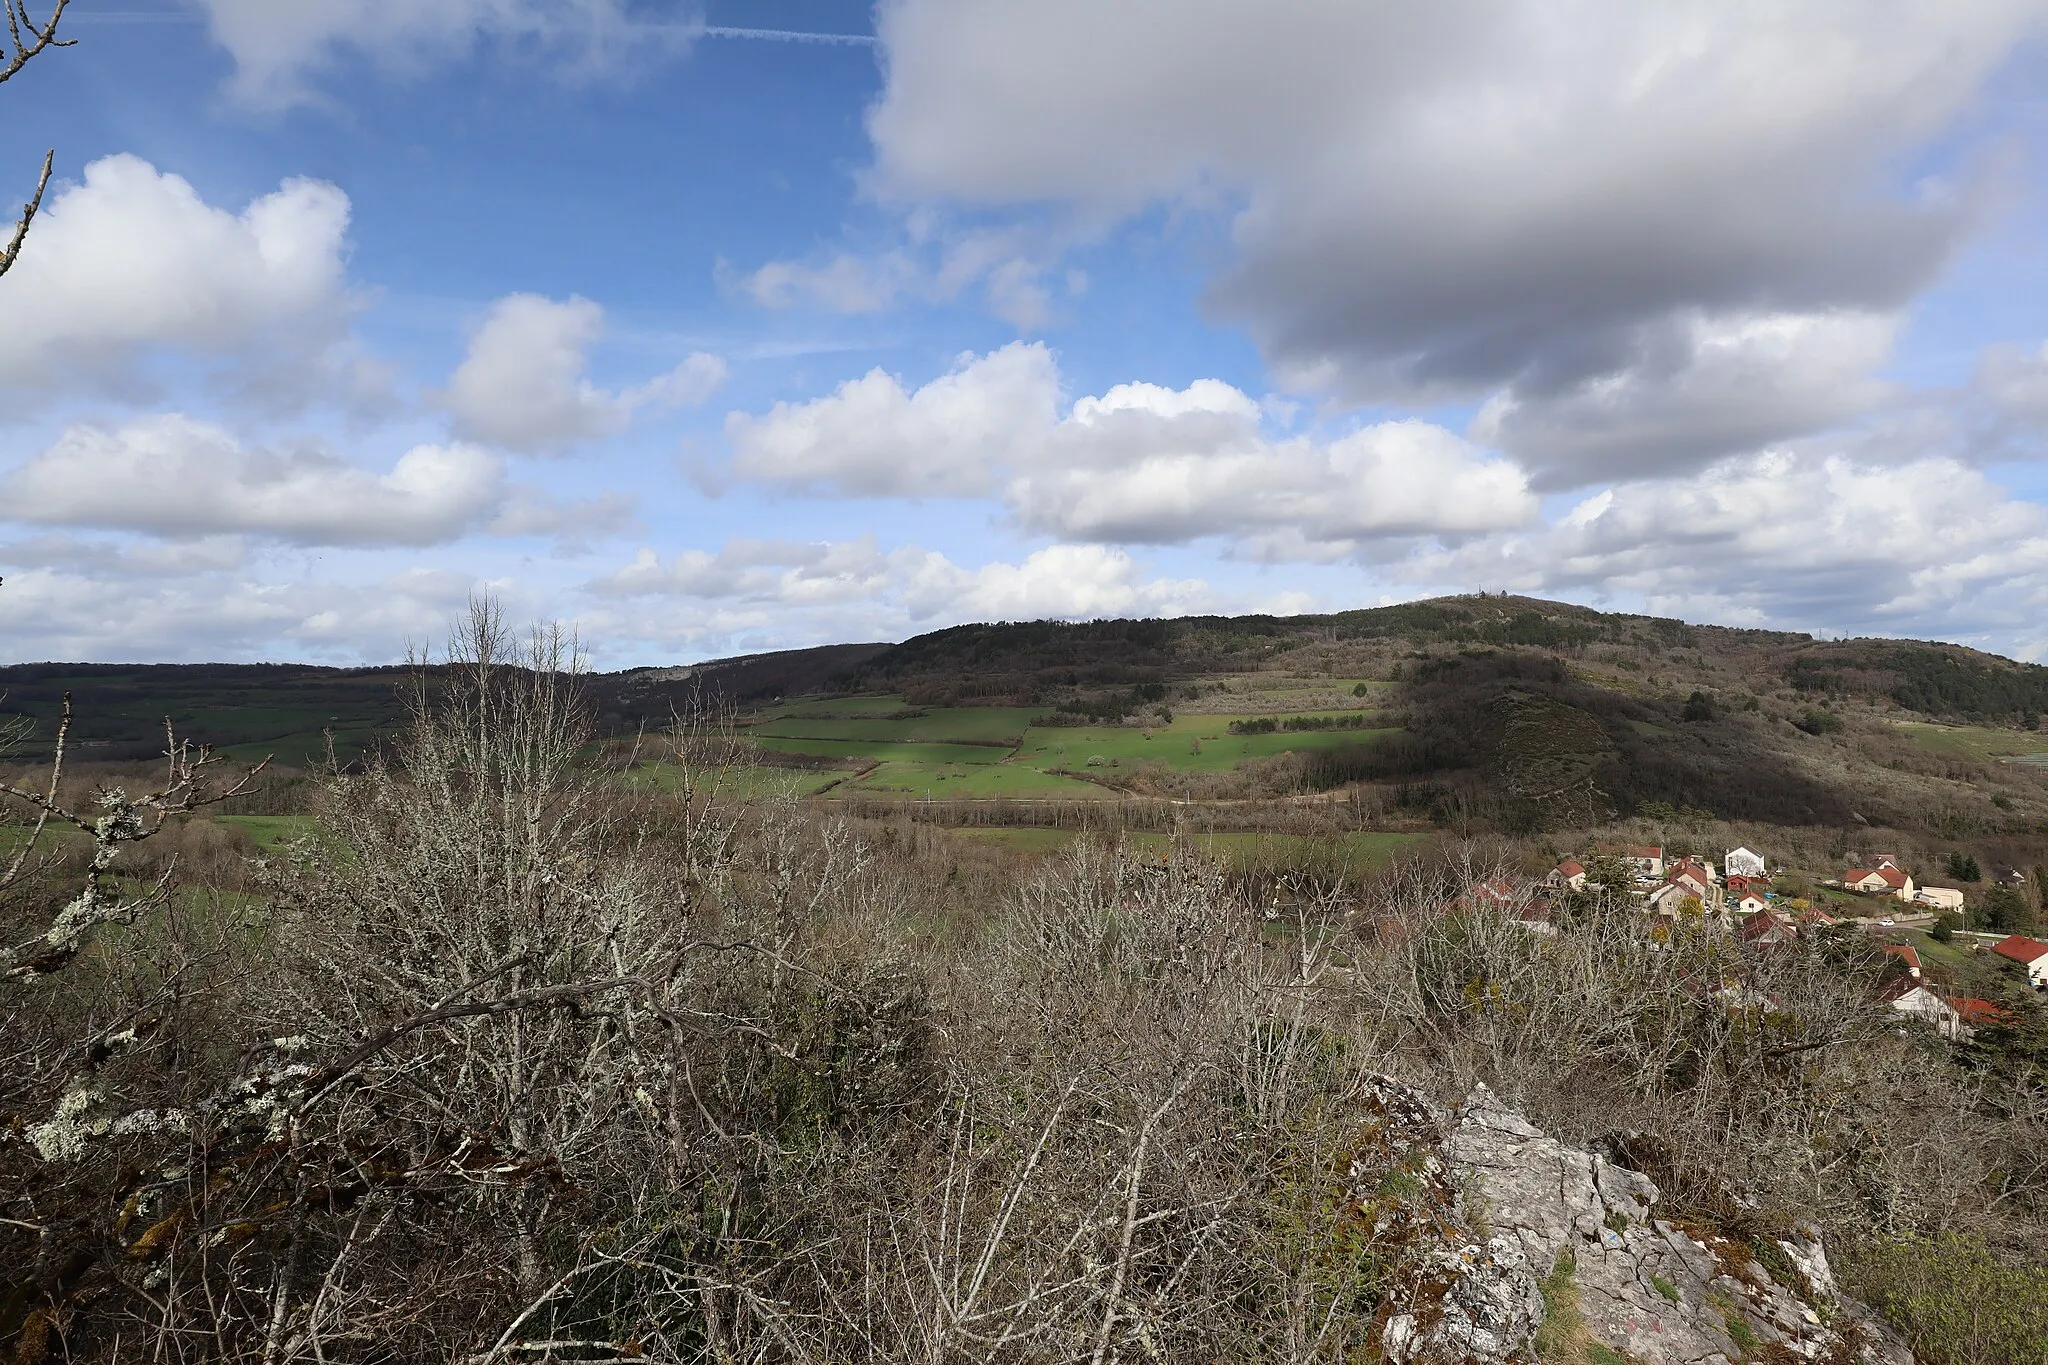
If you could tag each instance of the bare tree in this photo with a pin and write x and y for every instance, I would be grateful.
(28, 39)
(115, 820)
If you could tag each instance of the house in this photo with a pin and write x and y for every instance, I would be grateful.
(1813, 917)
(1535, 917)
(1665, 897)
(1691, 874)
(1645, 860)
(1766, 930)
(1742, 862)
(1908, 996)
(1749, 903)
(2029, 953)
(1906, 953)
(1939, 898)
(1975, 1014)
(1886, 860)
(1884, 880)
(1570, 874)
(1738, 884)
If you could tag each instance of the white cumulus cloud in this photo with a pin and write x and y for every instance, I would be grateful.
(523, 384)
(1798, 538)
(1141, 463)
(217, 613)
(132, 261)
(830, 590)
(872, 438)
(174, 476)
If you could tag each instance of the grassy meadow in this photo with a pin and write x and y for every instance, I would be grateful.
(1983, 743)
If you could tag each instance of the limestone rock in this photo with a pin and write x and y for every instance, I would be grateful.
(1513, 1207)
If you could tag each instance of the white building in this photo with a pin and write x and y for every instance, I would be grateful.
(1742, 862)
(2029, 953)
(1908, 996)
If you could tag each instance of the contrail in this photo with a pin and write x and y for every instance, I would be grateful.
(787, 35)
(773, 35)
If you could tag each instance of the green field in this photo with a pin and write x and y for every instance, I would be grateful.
(1952, 955)
(976, 781)
(867, 705)
(1189, 744)
(1024, 840)
(923, 749)
(1985, 743)
(267, 831)
(994, 725)
(885, 749)
(12, 837)
(743, 782)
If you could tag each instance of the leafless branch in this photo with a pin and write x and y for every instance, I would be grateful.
(28, 39)
(116, 821)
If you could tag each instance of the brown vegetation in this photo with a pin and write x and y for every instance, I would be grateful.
(517, 1062)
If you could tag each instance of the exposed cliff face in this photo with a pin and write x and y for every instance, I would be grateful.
(1521, 1249)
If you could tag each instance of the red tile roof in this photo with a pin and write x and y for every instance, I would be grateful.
(2020, 948)
(1892, 876)
(1571, 867)
(1760, 924)
(1906, 953)
(1977, 1013)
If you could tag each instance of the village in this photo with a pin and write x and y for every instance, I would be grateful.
(1759, 905)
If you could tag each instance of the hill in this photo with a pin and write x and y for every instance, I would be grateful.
(1529, 714)
(1040, 661)
(1514, 713)
(289, 710)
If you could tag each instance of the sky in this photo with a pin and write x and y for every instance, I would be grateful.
(755, 324)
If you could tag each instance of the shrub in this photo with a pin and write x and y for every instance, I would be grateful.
(1818, 722)
(2005, 911)
(1954, 1300)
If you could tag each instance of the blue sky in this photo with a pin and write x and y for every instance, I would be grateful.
(711, 341)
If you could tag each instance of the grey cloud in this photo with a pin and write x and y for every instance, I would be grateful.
(1809, 539)
(1552, 206)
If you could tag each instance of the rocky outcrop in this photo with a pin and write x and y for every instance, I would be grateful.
(1515, 1244)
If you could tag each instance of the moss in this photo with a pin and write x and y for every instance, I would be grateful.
(1664, 1287)
(1563, 1336)
(1617, 1220)
(1775, 1259)
(1741, 1333)
(1398, 1184)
